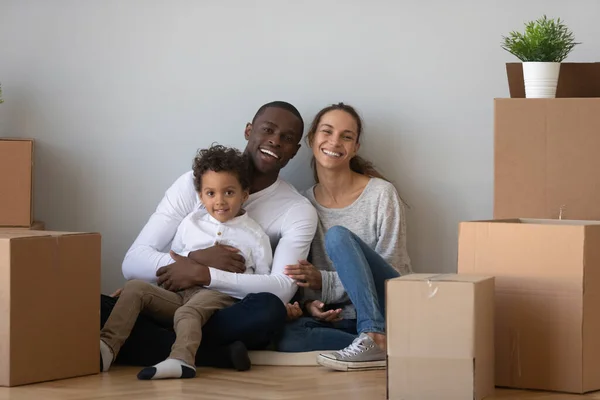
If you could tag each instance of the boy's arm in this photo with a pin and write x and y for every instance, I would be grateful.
(147, 254)
(298, 230)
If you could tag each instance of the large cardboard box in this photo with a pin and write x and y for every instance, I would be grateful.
(546, 162)
(547, 299)
(16, 182)
(49, 305)
(440, 340)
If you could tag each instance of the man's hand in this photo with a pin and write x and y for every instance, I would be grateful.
(315, 309)
(305, 275)
(225, 258)
(182, 274)
(293, 311)
(117, 292)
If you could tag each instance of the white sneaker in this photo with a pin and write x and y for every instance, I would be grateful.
(363, 354)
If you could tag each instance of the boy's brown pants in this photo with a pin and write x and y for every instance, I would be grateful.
(188, 310)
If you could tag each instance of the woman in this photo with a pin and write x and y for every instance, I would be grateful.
(359, 244)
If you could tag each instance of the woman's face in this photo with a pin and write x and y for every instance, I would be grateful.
(336, 140)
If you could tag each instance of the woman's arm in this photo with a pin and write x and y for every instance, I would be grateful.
(391, 234)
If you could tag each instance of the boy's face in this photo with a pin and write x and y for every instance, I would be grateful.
(222, 195)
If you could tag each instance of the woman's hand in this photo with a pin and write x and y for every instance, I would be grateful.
(305, 275)
(315, 309)
(293, 311)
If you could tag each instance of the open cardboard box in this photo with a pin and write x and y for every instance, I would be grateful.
(575, 80)
(547, 275)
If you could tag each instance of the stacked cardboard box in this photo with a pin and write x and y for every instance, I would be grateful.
(542, 245)
(542, 248)
(49, 284)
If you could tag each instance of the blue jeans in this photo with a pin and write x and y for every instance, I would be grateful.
(363, 273)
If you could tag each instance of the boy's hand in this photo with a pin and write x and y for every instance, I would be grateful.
(293, 311)
(182, 274)
(225, 258)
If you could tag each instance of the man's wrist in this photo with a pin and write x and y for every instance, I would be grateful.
(203, 276)
(196, 255)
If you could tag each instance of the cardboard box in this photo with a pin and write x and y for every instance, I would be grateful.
(49, 304)
(547, 299)
(574, 80)
(440, 340)
(546, 158)
(16, 182)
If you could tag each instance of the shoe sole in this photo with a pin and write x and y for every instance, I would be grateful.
(351, 366)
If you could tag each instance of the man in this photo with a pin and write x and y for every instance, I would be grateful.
(286, 216)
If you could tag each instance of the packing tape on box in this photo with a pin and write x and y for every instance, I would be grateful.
(433, 288)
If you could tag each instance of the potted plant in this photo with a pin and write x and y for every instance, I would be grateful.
(1, 101)
(541, 48)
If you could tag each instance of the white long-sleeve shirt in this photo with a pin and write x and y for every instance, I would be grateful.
(200, 230)
(288, 218)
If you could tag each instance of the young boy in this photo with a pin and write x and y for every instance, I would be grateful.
(222, 182)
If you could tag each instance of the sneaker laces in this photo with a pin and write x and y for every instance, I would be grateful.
(355, 348)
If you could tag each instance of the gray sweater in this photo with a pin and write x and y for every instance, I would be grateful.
(378, 218)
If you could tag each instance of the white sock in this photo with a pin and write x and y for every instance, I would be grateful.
(106, 356)
(170, 368)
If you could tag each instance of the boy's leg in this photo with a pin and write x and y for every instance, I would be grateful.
(137, 296)
(188, 322)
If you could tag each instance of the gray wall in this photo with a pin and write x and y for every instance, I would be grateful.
(120, 94)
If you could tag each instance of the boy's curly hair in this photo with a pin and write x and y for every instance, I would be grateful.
(219, 158)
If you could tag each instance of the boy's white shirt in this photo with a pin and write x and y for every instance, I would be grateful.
(200, 230)
(287, 217)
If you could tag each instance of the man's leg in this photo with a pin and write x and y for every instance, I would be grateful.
(363, 273)
(137, 297)
(252, 323)
(309, 334)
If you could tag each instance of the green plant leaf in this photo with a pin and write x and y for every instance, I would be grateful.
(544, 40)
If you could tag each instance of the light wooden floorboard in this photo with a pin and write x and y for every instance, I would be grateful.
(265, 383)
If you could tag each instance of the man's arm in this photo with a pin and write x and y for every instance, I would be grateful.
(147, 254)
(298, 230)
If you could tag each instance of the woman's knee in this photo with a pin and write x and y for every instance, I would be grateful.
(337, 236)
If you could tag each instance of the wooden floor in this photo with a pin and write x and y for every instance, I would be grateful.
(265, 383)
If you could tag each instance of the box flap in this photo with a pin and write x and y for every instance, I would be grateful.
(14, 139)
(540, 221)
(22, 234)
(443, 278)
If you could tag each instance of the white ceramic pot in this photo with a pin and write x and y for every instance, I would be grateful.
(541, 79)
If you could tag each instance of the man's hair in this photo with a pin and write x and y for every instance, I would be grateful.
(219, 158)
(280, 104)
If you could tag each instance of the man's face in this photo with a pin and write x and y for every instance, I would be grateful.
(273, 139)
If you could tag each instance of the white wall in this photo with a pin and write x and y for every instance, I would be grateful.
(120, 94)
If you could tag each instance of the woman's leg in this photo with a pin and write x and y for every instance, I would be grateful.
(308, 334)
(363, 273)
